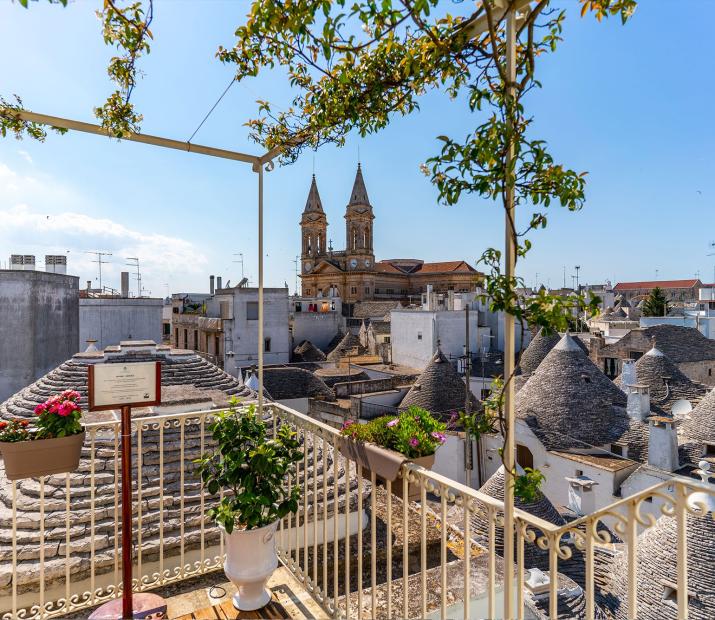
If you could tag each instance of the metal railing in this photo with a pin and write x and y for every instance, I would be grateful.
(354, 544)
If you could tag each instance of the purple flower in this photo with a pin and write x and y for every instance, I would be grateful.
(394, 422)
(441, 437)
(414, 442)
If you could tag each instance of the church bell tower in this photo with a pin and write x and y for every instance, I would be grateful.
(314, 228)
(358, 228)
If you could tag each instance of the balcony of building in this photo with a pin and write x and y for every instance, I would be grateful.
(354, 549)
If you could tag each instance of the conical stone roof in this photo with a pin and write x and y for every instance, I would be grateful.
(306, 351)
(439, 389)
(534, 557)
(537, 350)
(667, 384)
(699, 426)
(348, 343)
(287, 383)
(657, 567)
(313, 204)
(569, 403)
(359, 194)
(97, 548)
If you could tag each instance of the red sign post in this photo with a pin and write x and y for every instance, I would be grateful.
(123, 386)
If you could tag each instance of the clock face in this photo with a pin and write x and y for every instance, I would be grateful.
(353, 263)
(367, 262)
(307, 267)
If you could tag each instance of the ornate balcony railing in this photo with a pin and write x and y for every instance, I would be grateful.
(354, 544)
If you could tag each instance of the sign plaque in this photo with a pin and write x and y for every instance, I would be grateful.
(112, 386)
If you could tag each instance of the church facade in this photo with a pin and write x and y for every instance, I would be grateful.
(353, 274)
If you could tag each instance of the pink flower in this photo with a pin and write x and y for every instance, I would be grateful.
(40, 409)
(441, 437)
(54, 407)
(414, 442)
(394, 422)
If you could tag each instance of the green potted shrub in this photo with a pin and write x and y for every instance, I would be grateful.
(250, 466)
(385, 443)
(52, 445)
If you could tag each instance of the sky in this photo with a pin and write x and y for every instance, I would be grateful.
(631, 105)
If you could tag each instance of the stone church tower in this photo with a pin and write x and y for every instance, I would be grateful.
(358, 228)
(314, 227)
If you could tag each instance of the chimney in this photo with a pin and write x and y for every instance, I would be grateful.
(582, 497)
(55, 263)
(29, 262)
(16, 262)
(219, 282)
(211, 285)
(430, 300)
(638, 404)
(628, 372)
(662, 443)
(125, 284)
(89, 284)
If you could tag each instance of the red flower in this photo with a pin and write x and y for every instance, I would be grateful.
(40, 409)
(3, 425)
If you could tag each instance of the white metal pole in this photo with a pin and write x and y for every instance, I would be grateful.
(509, 344)
(260, 289)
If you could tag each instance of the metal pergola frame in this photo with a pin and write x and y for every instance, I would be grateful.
(511, 11)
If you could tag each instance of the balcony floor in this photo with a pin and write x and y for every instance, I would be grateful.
(213, 602)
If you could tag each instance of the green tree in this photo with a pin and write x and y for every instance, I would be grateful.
(655, 304)
(356, 64)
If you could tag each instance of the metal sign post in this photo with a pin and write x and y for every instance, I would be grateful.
(123, 386)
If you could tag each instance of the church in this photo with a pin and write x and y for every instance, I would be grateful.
(353, 274)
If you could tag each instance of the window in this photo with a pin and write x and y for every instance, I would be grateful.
(176, 337)
(167, 329)
(267, 345)
(307, 291)
(252, 310)
(175, 310)
(579, 473)
(616, 449)
(389, 291)
(635, 355)
(387, 339)
(419, 335)
(217, 345)
(367, 290)
(710, 372)
(186, 339)
(196, 340)
(353, 290)
(709, 450)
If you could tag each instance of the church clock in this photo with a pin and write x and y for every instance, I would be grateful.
(307, 266)
(353, 263)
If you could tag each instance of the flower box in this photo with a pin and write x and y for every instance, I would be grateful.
(42, 457)
(384, 463)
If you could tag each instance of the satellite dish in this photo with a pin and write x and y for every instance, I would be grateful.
(681, 408)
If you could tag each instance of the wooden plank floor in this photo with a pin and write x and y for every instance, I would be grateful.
(226, 611)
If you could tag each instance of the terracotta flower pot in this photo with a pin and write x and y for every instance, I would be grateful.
(385, 463)
(41, 457)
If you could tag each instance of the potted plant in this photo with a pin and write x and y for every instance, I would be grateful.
(52, 445)
(250, 466)
(385, 443)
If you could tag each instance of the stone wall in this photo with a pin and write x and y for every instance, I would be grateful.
(39, 326)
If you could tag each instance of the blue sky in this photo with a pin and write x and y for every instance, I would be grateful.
(629, 104)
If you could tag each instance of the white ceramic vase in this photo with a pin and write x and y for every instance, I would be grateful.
(250, 561)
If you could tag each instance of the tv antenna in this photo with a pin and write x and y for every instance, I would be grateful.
(99, 262)
(135, 264)
(240, 260)
(296, 262)
(711, 245)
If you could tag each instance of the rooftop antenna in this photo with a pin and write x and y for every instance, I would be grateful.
(99, 262)
(712, 247)
(240, 260)
(135, 264)
(295, 262)
(577, 267)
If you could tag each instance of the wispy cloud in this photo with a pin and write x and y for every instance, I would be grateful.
(33, 225)
(26, 156)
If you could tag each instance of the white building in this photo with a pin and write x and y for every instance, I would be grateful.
(238, 309)
(317, 319)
